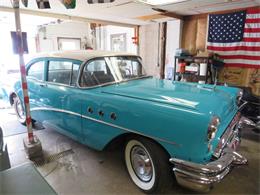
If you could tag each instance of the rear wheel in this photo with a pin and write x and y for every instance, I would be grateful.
(148, 165)
(19, 111)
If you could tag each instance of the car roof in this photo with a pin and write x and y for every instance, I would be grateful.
(81, 55)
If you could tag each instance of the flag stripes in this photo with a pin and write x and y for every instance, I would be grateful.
(238, 53)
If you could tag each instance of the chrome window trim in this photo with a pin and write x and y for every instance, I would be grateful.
(30, 64)
(60, 59)
(103, 122)
(60, 84)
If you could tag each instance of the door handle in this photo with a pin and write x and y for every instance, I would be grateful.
(43, 85)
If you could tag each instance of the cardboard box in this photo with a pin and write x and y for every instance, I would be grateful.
(244, 77)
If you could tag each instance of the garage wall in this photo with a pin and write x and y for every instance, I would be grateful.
(129, 32)
(150, 47)
(194, 33)
(172, 43)
(104, 33)
(48, 35)
(194, 38)
(149, 43)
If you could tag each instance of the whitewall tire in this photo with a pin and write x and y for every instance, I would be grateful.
(147, 165)
(19, 111)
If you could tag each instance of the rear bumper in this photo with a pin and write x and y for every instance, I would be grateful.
(202, 177)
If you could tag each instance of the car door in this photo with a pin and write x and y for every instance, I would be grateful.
(62, 109)
(95, 131)
(35, 79)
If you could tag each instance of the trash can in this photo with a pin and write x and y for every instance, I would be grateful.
(4, 157)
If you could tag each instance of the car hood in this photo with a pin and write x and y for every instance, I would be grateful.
(206, 99)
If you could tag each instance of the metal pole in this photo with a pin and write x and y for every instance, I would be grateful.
(23, 71)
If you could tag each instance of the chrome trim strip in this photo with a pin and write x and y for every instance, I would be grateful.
(56, 110)
(242, 105)
(105, 123)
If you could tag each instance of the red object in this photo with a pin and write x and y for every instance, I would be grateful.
(182, 67)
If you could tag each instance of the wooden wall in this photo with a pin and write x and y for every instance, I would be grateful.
(194, 33)
(194, 39)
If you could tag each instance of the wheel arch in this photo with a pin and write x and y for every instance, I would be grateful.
(121, 139)
(11, 97)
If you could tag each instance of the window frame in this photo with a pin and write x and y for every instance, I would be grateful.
(102, 57)
(31, 63)
(73, 61)
(82, 69)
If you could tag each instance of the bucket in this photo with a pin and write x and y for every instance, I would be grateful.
(203, 69)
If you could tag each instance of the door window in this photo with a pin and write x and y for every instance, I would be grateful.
(96, 72)
(36, 70)
(63, 72)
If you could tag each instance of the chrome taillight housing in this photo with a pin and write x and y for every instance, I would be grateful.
(239, 96)
(213, 128)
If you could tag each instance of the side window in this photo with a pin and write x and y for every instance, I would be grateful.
(63, 72)
(36, 70)
(95, 73)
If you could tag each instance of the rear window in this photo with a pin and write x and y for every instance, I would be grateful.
(63, 72)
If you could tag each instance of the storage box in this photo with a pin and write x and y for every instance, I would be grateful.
(245, 77)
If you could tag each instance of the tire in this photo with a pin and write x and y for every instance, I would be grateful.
(19, 111)
(148, 165)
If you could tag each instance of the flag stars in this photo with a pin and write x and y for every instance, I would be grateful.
(226, 27)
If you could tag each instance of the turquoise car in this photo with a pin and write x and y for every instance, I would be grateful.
(167, 128)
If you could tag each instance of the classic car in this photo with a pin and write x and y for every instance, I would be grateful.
(102, 98)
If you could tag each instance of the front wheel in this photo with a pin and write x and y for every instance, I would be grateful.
(147, 165)
(19, 111)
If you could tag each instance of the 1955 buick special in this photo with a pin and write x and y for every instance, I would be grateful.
(101, 98)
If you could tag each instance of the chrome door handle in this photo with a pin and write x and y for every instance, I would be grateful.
(43, 85)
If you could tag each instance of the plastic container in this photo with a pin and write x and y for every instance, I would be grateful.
(203, 69)
(182, 67)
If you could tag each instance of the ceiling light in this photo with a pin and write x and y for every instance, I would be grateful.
(160, 2)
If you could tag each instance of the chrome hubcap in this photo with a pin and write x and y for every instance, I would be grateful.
(141, 163)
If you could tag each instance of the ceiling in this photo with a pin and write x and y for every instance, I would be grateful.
(133, 12)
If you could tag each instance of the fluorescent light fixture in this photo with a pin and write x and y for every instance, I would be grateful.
(160, 2)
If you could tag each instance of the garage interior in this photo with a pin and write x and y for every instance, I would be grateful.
(164, 34)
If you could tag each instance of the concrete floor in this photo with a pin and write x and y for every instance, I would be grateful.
(86, 171)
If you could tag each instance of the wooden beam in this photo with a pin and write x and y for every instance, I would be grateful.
(198, 16)
(172, 15)
(65, 17)
(168, 13)
(163, 50)
(150, 17)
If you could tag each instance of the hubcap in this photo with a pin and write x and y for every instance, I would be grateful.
(141, 163)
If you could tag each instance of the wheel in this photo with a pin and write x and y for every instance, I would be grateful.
(19, 111)
(148, 165)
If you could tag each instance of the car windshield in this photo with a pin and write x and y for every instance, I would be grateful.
(109, 70)
(126, 67)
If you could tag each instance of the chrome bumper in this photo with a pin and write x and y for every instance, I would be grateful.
(202, 177)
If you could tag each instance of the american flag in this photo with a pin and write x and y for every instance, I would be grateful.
(236, 37)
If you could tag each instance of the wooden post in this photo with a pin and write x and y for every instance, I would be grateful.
(163, 49)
